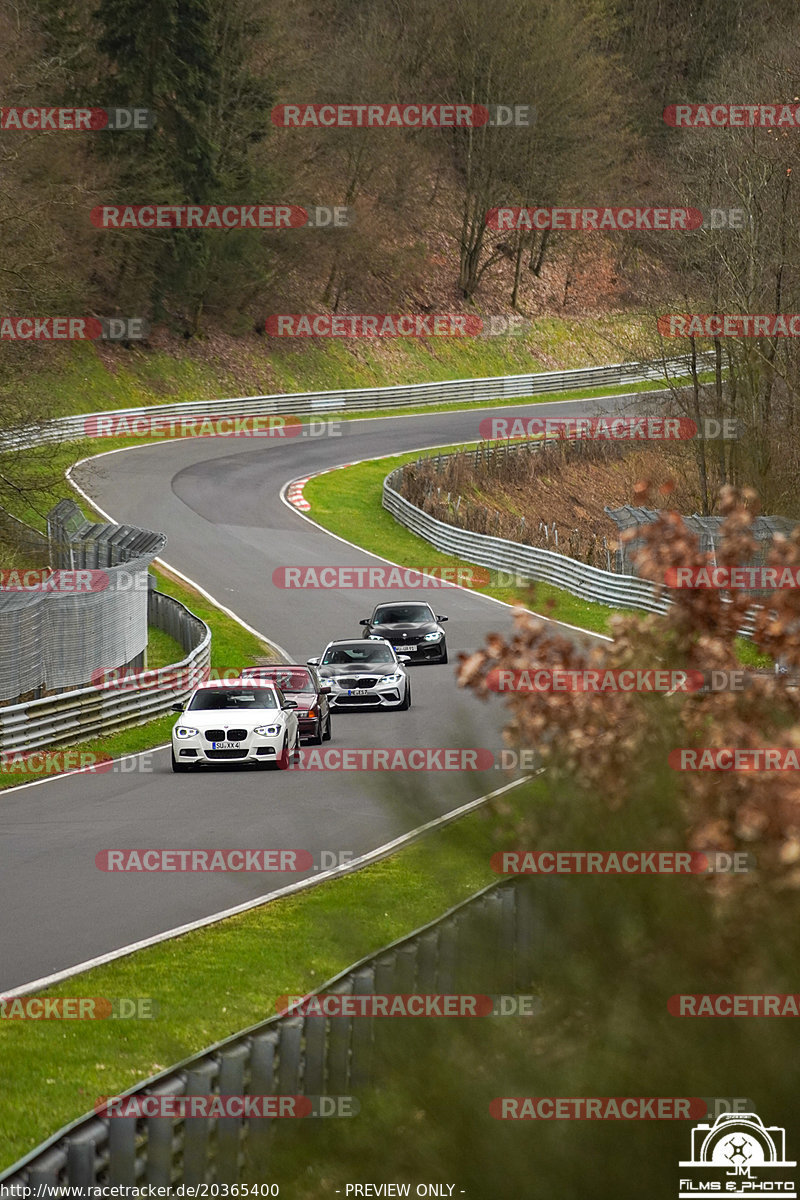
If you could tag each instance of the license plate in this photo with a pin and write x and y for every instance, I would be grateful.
(226, 746)
(358, 692)
(400, 649)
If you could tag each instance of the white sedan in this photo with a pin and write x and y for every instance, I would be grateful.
(245, 722)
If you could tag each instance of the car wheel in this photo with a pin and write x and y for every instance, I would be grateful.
(316, 737)
(284, 759)
(180, 767)
(326, 737)
(407, 697)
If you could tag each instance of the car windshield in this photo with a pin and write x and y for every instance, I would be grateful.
(211, 698)
(289, 679)
(398, 614)
(358, 654)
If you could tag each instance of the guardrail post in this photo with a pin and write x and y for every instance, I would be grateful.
(291, 1032)
(82, 1154)
(361, 1051)
(44, 1170)
(121, 1150)
(314, 1065)
(229, 1129)
(262, 1083)
(196, 1130)
(161, 1138)
(339, 1046)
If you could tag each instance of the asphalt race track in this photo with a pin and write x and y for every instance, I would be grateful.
(219, 503)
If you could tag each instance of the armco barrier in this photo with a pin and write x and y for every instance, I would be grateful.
(69, 717)
(306, 1055)
(359, 399)
(531, 562)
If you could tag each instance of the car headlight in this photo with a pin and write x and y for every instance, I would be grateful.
(183, 731)
(267, 730)
(433, 637)
(396, 678)
(326, 682)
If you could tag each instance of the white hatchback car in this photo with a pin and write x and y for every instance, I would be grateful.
(245, 722)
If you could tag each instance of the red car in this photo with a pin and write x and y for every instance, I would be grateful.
(302, 685)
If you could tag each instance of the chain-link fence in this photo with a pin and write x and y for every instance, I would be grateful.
(83, 615)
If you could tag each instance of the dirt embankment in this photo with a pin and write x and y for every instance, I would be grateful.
(556, 498)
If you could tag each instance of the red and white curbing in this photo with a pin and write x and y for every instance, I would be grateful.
(295, 494)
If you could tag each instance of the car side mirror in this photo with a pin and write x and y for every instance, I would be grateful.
(289, 704)
(442, 618)
(325, 691)
(365, 621)
(404, 658)
(176, 707)
(313, 662)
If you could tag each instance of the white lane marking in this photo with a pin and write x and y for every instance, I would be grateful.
(371, 856)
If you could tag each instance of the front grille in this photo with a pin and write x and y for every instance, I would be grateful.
(220, 735)
(373, 699)
(358, 681)
(226, 753)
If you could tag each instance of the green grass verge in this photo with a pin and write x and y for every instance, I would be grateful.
(348, 502)
(216, 981)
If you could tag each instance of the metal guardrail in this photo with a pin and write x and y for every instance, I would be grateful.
(69, 717)
(530, 562)
(307, 1055)
(359, 399)
(499, 554)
